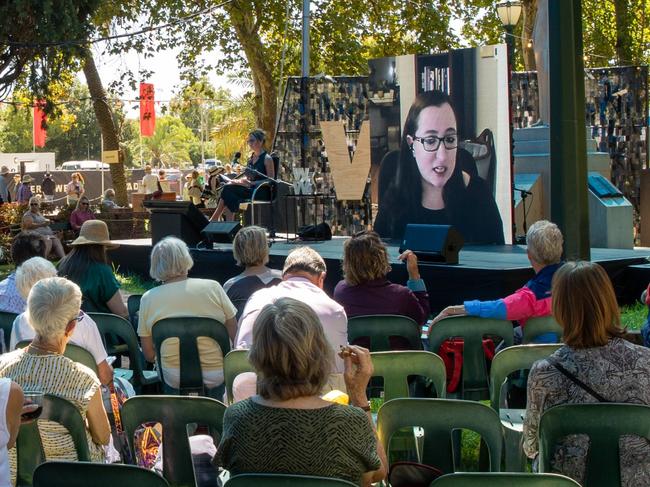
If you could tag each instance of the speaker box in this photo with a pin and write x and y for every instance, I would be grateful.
(221, 232)
(433, 243)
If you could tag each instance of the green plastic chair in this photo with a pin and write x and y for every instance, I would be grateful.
(604, 424)
(29, 448)
(174, 413)
(378, 328)
(506, 362)
(474, 385)
(504, 480)
(283, 480)
(235, 363)
(536, 327)
(187, 330)
(73, 352)
(396, 367)
(110, 324)
(133, 307)
(439, 418)
(6, 324)
(77, 474)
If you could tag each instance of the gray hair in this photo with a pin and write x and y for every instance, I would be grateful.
(30, 272)
(544, 240)
(110, 192)
(52, 304)
(170, 258)
(258, 134)
(250, 246)
(304, 259)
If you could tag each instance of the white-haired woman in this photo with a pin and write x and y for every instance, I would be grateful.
(53, 307)
(250, 248)
(34, 220)
(544, 240)
(180, 295)
(85, 334)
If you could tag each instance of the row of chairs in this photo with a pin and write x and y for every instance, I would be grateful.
(438, 418)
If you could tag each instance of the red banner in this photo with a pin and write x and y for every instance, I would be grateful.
(147, 110)
(40, 133)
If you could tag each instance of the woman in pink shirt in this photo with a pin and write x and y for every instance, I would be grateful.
(81, 214)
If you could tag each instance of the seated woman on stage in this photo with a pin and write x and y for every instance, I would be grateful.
(367, 291)
(544, 252)
(250, 248)
(239, 190)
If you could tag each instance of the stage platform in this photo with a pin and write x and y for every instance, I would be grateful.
(483, 272)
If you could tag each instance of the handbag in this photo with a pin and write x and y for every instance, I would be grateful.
(411, 474)
(451, 352)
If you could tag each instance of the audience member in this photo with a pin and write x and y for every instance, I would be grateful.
(87, 265)
(195, 188)
(250, 250)
(85, 334)
(53, 311)
(303, 278)
(178, 296)
(34, 220)
(81, 214)
(596, 356)
(366, 290)
(75, 188)
(5, 182)
(108, 202)
(11, 402)
(26, 244)
(544, 251)
(293, 360)
(24, 189)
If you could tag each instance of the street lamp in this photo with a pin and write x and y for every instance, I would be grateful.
(509, 13)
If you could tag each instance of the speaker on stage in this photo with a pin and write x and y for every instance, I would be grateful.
(221, 232)
(433, 243)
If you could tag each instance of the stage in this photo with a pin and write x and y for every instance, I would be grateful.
(483, 272)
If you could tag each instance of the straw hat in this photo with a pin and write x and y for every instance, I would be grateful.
(215, 169)
(94, 232)
(27, 179)
(4, 170)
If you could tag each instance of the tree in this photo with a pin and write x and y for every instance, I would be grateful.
(169, 145)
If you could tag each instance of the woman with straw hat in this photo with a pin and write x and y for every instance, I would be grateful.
(87, 265)
(34, 220)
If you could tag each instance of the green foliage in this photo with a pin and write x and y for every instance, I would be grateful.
(169, 145)
(634, 316)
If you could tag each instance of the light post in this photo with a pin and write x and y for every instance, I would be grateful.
(509, 13)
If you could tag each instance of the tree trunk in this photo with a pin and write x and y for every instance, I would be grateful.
(107, 126)
(265, 90)
(529, 12)
(623, 35)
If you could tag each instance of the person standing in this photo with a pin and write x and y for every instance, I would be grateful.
(5, 182)
(24, 190)
(149, 182)
(75, 188)
(48, 186)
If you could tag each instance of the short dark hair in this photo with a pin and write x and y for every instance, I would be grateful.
(365, 258)
(27, 244)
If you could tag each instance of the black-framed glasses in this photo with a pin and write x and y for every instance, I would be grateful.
(84, 204)
(431, 143)
(33, 204)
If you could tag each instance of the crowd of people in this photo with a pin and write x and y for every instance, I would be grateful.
(297, 337)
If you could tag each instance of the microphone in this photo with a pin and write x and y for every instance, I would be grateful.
(236, 157)
(523, 191)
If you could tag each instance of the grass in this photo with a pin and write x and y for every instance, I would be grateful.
(634, 316)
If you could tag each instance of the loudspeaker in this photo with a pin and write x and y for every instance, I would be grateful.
(319, 232)
(221, 232)
(433, 243)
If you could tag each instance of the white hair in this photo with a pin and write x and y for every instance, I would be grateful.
(544, 240)
(52, 304)
(170, 258)
(31, 271)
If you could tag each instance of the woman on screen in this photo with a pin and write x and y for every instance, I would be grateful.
(430, 186)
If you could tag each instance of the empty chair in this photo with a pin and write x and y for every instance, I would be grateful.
(472, 330)
(118, 327)
(175, 413)
(604, 424)
(542, 330)
(77, 474)
(279, 480)
(29, 447)
(380, 328)
(506, 362)
(439, 418)
(492, 479)
(235, 363)
(396, 368)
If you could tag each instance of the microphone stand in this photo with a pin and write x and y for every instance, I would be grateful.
(524, 194)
